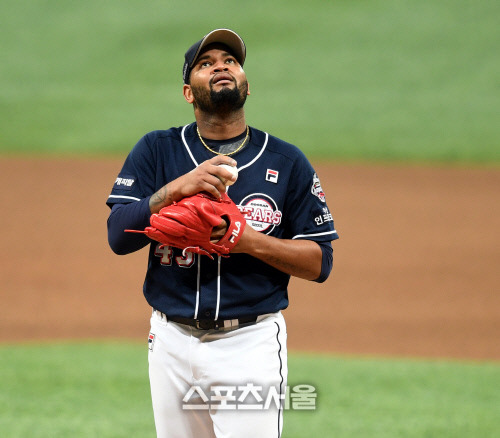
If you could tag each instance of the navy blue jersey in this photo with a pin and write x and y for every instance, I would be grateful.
(277, 191)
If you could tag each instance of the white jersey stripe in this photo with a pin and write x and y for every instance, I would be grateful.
(124, 197)
(218, 289)
(258, 155)
(239, 168)
(197, 288)
(187, 146)
(298, 236)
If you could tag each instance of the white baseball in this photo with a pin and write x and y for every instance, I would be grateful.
(231, 169)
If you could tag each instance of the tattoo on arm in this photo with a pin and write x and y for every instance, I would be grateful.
(160, 199)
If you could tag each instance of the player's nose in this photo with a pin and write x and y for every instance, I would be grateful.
(219, 66)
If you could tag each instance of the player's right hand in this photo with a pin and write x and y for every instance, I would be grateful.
(207, 177)
(204, 178)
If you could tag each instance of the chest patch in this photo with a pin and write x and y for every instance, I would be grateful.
(260, 212)
(272, 176)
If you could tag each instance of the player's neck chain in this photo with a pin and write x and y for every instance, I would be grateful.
(219, 153)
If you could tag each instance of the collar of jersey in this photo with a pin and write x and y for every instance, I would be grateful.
(245, 158)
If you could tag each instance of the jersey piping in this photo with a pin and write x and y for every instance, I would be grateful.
(258, 155)
(298, 236)
(218, 289)
(198, 280)
(124, 197)
(187, 146)
(239, 168)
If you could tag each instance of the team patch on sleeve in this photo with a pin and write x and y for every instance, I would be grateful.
(124, 182)
(317, 190)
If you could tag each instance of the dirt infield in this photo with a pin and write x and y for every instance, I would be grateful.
(415, 271)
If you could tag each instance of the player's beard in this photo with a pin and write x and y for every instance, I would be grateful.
(221, 102)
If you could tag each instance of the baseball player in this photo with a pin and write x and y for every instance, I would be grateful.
(217, 346)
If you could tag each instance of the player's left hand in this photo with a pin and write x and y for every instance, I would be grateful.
(218, 232)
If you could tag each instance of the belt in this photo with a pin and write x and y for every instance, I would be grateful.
(218, 324)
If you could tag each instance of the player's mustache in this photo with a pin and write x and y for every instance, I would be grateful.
(217, 77)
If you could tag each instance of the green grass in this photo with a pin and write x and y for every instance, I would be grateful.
(102, 390)
(81, 390)
(352, 80)
(380, 398)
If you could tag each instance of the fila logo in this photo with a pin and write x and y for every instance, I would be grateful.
(235, 232)
(272, 176)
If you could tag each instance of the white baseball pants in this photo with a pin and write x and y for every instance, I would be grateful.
(218, 384)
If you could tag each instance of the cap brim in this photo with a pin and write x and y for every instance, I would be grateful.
(226, 37)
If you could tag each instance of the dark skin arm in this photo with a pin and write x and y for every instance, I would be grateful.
(300, 258)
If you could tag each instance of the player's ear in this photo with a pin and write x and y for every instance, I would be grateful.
(188, 93)
(248, 89)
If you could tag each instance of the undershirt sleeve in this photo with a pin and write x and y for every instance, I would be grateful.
(326, 261)
(132, 216)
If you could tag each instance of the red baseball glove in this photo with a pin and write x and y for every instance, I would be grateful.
(188, 224)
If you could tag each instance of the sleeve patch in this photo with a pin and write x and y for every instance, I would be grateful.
(124, 182)
(317, 190)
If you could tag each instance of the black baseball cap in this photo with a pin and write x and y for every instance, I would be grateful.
(224, 36)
